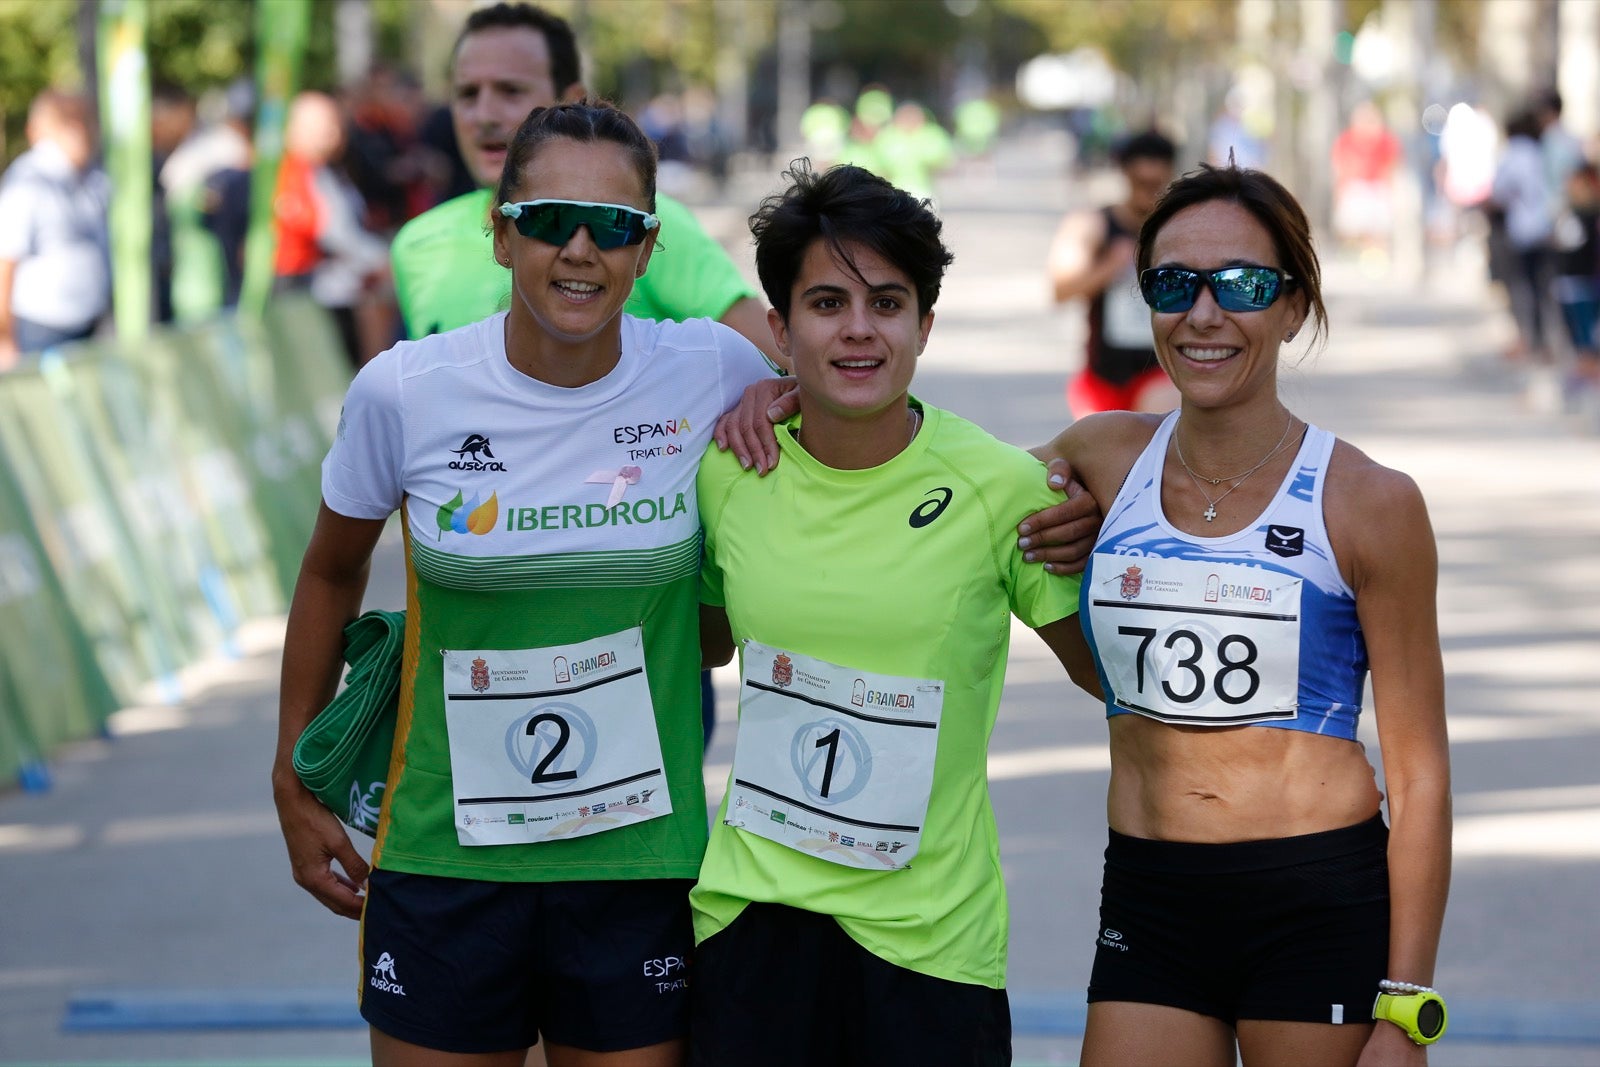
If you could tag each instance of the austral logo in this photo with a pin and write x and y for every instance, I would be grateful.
(383, 977)
(475, 455)
(929, 510)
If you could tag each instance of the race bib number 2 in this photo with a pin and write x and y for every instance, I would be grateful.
(831, 761)
(1197, 643)
(552, 743)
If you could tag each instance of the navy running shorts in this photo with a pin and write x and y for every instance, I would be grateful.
(460, 965)
(1294, 929)
(782, 987)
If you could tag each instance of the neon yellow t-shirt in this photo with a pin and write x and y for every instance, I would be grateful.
(445, 275)
(911, 569)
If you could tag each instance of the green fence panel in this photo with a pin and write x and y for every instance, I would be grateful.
(51, 688)
(116, 408)
(270, 434)
(202, 425)
(87, 539)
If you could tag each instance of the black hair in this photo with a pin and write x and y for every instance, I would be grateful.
(558, 36)
(1547, 100)
(1523, 124)
(846, 203)
(1264, 197)
(1147, 144)
(588, 121)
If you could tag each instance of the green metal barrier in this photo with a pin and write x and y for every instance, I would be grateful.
(51, 687)
(150, 500)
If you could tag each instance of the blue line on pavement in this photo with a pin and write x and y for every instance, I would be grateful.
(1042, 1013)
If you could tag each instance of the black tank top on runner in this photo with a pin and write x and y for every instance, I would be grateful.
(1108, 360)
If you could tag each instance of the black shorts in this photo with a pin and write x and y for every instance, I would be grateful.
(460, 965)
(782, 987)
(1295, 929)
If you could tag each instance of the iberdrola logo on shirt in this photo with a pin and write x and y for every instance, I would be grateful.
(474, 516)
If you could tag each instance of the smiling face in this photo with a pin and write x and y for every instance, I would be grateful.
(854, 341)
(499, 75)
(573, 292)
(1218, 357)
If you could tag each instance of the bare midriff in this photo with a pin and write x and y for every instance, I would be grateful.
(1235, 783)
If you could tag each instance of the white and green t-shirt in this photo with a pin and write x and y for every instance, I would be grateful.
(538, 516)
(445, 275)
(909, 569)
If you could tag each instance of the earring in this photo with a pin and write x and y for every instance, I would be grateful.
(1288, 336)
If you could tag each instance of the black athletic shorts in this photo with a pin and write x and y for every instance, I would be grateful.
(782, 987)
(460, 965)
(1295, 929)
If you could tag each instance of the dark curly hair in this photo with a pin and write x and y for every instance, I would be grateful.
(846, 203)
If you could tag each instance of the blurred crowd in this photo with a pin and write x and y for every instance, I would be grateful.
(356, 167)
(360, 164)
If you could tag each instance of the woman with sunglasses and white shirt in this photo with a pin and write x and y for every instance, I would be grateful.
(545, 813)
(1251, 570)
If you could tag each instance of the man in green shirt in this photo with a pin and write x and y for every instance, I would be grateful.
(508, 60)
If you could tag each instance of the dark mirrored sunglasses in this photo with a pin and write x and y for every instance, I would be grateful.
(1174, 289)
(555, 221)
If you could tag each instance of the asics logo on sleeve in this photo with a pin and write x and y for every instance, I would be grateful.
(928, 510)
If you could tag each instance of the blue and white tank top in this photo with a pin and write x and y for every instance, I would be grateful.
(1255, 628)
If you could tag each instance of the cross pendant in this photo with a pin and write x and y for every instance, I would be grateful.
(1210, 512)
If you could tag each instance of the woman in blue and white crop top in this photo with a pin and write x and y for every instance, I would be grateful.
(1252, 569)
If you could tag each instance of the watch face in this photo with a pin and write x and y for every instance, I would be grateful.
(1430, 1019)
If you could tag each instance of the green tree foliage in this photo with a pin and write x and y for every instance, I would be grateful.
(38, 49)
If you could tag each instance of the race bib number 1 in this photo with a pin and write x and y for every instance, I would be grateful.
(831, 761)
(552, 743)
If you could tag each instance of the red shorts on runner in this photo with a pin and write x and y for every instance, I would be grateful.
(1088, 393)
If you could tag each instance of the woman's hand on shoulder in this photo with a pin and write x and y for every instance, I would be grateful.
(747, 427)
(1082, 461)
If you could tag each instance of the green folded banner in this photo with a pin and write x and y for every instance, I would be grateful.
(343, 756)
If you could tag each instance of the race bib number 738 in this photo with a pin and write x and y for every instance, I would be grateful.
(1206, 644)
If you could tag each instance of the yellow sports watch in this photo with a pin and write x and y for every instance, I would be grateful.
(1416, 1009)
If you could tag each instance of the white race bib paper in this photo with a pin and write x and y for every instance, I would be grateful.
(552, 743)
(1206, 644)
(1125, 317)
(832, 761)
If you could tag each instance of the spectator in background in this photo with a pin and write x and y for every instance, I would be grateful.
(207, 182)
(824, 125)
(55, 262)
(1365, 155)
(1522, 196)
(323, 248)
(1561, 150)
(172, 117)
(912, 148)
(398, 175)
(1577, 275)
(1092, 259)
(1234, 139)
